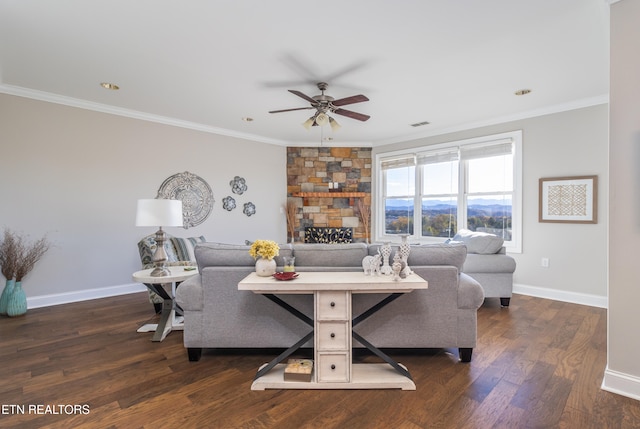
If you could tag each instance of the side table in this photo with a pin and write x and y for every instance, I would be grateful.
(168, 319)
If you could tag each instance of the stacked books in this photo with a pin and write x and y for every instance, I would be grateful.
(298, 370)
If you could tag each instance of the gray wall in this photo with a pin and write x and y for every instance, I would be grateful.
(76, 175)
(563, 144)
(623, 370)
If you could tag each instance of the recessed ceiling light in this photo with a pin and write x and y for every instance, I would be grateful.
(111, 86)
(522, 91)
(247, 119)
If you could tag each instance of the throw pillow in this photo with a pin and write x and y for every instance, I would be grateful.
(479, 242)
(185, 247)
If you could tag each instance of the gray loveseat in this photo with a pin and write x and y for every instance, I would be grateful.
(218, 315)
(488, 263)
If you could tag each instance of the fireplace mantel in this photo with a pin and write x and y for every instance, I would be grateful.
(330, 194)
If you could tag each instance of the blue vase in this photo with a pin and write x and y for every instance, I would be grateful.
(17, 305)
(4, 298)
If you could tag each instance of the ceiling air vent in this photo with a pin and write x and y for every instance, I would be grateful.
(419, 124)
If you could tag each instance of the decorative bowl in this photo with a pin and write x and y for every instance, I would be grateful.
(285, 276)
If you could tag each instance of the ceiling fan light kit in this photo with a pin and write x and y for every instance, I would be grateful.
(325, 104)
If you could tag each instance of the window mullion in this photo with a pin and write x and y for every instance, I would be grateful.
(417, 203)
(463, 186)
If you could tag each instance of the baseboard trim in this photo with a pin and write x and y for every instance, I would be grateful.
(621, 384)
(83, 295)
(562, 295)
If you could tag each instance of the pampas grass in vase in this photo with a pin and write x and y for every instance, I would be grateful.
(18, 258)
(364, 213)
(9, 250)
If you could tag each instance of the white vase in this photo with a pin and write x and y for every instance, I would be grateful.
(265, 267)
(385, 251)
(405, 249)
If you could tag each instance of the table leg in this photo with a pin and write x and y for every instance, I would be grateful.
(166, 321)
(374, 309)
(167, 315)
(296, 346)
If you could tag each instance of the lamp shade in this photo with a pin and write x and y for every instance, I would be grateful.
(159, 212)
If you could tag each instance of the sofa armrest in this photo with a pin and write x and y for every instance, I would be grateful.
(470, 293)
(189, 294)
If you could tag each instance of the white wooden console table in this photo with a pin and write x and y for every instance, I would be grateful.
(332, 330)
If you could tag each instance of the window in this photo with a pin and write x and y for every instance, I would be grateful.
(431, 192)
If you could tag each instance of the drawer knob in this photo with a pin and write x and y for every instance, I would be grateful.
(333, 335)
(333, 304)
(333, 367)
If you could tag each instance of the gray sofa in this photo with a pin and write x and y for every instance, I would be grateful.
(218, 315)
(488, 263)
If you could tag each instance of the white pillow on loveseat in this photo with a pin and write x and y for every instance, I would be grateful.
(482, 243)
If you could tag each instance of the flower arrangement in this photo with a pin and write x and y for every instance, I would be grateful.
(265, 248)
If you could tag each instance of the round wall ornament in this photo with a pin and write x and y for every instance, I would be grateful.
(195, 194)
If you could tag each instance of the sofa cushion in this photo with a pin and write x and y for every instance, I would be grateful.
(479, 242)
(329, 255)
(452, 253)
(438, 254)
(231, 255)
(184, 247)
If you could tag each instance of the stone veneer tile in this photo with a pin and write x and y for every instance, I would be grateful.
(342, 152)
(309, 153)
(335, 223)
(350, 222)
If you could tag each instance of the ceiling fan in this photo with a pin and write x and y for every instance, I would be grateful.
(325, 104)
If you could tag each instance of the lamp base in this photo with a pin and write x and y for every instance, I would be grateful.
(160, 272)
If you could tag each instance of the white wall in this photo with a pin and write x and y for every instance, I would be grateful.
(76, 175)
(623, 368)
(563, 144)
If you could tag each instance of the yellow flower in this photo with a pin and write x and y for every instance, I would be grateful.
(266, 248)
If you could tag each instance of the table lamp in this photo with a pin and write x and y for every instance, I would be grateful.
(159, 212)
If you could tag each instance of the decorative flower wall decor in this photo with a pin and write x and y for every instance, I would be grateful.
(238, 185)
(249, 209)
(228, 203)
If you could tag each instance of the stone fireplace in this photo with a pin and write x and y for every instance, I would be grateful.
(327, 187)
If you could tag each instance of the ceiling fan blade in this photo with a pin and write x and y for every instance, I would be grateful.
(290, 110)
(301, 95)
(350, 100)
(352, 115)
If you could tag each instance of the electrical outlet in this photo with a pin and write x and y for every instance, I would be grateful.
(544, 262)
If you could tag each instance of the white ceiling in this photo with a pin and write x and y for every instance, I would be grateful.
(206, 64)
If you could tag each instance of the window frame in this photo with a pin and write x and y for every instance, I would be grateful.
(514, 246)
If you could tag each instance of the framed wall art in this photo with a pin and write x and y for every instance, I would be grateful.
(568, 199)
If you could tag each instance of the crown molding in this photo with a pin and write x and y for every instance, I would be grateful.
(134, 114)
(573, 105)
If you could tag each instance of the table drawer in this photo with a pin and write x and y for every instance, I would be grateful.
(332, 305)
(333, 368)
(333, 336)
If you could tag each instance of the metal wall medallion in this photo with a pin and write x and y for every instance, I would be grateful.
(195, 194)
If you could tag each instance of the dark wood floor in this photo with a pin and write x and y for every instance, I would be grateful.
(538, 364)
